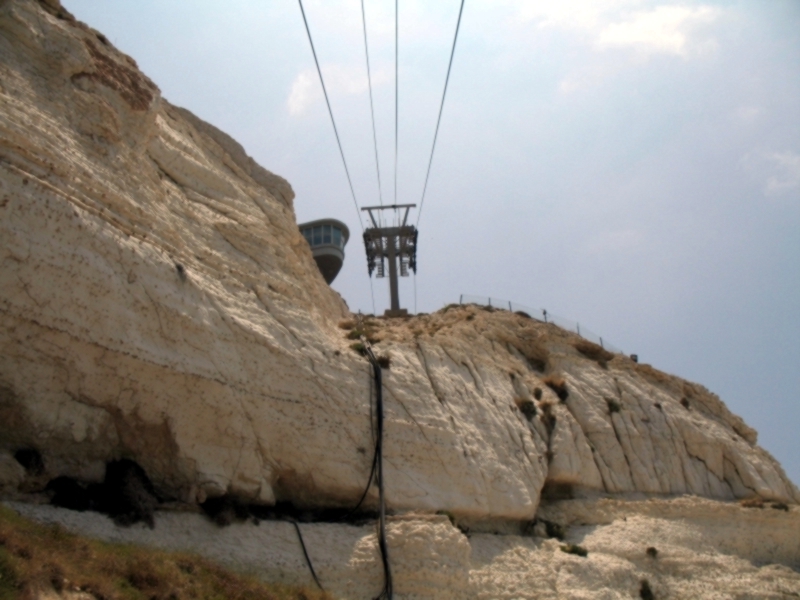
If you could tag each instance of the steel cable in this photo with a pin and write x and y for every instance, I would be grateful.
(396, 88)
(330, 112)
(441, 108)
(371, 105)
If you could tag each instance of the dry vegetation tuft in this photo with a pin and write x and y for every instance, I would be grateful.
(36, 559)
(652, 375)
(347, 324)
(752, 502)
(613, 406)
(558, 385)
(594, 352)
(526, 407)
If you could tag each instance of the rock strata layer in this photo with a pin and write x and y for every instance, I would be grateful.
(682, 548)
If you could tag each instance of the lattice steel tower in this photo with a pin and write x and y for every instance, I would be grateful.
(396, 245)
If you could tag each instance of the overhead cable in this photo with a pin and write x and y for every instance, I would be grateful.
(396, 87)
(330, 112)
(441, 107)
(371, 105)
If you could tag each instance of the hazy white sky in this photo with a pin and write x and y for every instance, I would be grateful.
(633, 165)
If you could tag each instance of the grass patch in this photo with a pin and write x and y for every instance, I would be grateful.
(651, 374)
(613, 406)
(780, 506)
(537, 393)
(651, 552)
(360, 348)
(753, 502)
(37, 558)
(347, 324)
(594, 352)
(384, 360)
(685, 403)
(367, 332)
(558, 385)
(536, 354)
(575, 549)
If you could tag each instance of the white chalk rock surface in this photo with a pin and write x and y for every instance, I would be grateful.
(158, 302)
(700, 549)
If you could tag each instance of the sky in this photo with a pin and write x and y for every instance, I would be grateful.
(631, 165)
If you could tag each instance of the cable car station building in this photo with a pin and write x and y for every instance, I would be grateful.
(327, 238)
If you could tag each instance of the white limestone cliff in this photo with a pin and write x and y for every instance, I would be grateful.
(158, 302)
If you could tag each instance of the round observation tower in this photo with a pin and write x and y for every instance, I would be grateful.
(327, 238)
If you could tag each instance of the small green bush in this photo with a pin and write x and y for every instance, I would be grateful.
(537, 393)
(526, 407)
(575, 549)
(780, 506)
(554, 530)
(359, 347)
(651, 552)
(613, 406)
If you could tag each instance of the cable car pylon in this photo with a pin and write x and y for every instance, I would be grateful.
(395, 246)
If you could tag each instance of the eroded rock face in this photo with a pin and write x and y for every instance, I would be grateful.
(683, 548)
(158, 303)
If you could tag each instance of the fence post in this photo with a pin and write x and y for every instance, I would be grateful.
(461, 299)
(578, 325)
(601, 343)
(544, 312)
(509, 307)
(490, 301)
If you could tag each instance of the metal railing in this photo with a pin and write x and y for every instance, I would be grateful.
(540, 314)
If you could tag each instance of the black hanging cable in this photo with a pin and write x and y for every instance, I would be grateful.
(330, 112)
(396, 87)
(371, 106)
(386, 592)
(441, 107)
(305, 553)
